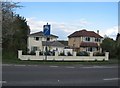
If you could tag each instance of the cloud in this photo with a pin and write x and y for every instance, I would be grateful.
(84, 22)
(57, 27)
(63, 29)
(35, 25)
(110, 32)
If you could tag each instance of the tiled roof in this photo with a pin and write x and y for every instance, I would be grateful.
(41, 34)
(85, 33)
(52, 43)
(63, 42)
(88, 44)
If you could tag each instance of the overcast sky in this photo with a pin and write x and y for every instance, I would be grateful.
(67, 17)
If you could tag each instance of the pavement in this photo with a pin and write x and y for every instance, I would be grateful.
(58, 75)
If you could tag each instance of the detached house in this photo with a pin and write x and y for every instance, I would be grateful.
(38, 42)
(84, 40)
(35, 41)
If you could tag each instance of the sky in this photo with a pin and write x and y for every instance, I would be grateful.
(68, 17)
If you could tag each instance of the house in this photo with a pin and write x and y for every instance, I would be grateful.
(35, 40)
(84, 40)
(39, 41)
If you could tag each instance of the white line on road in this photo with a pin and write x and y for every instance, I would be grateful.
(32, 65)
(70, 67)
(6, 64)
(19, 65)
(3, 81)
(111, 79)
(54, 66)
(101, 67)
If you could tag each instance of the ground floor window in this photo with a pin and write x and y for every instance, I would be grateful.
(34, 48)
(91, 49)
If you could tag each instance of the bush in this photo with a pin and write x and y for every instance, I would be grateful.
(98, 54)
(32, 53)
(82, 53)
(62, 54)
(69, 54)
(40, 53)
(47, 53)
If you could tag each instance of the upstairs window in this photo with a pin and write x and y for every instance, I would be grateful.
(87, 38)
(48, 39)
(37, 38)
(97, 39)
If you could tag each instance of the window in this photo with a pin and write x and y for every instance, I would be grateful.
(34, 48)
(97, 39)
(48, 39)
(89, 49)
(87, 38)
(36, 38)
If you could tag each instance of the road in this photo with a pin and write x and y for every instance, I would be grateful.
(58, 75)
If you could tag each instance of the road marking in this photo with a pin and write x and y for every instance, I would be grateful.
(101, 67)
(70, 67)
(6, 64)
(86, 67)
(19, 65)
(3, 81)
(54, 66)
(111, 79)
(32, 65)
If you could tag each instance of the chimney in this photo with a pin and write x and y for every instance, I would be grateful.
(97, 31)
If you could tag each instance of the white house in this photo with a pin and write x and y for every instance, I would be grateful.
(35, 40)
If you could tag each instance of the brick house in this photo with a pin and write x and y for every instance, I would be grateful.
(84, 40)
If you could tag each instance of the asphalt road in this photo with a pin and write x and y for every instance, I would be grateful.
(53, 75)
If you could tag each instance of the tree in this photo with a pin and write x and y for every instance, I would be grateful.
(109, 45)
(14, 29)
(118, 46)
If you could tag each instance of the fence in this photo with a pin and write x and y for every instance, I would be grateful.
(64, 58)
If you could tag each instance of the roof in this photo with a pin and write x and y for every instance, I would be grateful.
(88, 44)
(65, 43)
(85, 33)
(41, 34)
(52, 43)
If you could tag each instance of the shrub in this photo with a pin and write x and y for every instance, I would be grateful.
(32, 53)
(69, 54)
(82, 53)
(62, 54)
(40, 53)
(47, 53)
(98, 54)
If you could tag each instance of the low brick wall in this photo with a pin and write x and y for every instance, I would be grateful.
(63, 58)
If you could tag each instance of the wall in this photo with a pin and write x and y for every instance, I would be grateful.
(74, 41)
(63, 58)
(68, 50)
(32, 42)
